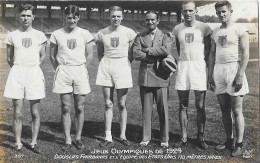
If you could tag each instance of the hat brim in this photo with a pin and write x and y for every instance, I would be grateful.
(170, 64)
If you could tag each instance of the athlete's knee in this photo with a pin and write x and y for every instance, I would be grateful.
(237, 112)
(66, 109)
(121, 105)
(200, 106)
(18, 115)
(108, 104)
(80, 108)
(35, 115)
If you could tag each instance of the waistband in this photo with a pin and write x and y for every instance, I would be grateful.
(27, 66)
(71, 65)
(105, 56)
(192, 61)
(227, 63)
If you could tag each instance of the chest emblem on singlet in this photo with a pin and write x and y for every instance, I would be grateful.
(189, 37)
(114, 42)
(222, 40)
(27, 42)
(71, 44)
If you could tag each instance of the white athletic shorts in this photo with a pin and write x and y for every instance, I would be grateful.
(25, 82)
(114, 72)
(191, 75)
(71, 79)
(224, 75)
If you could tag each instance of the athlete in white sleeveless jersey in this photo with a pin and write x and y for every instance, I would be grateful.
(229, 57)
(114, 70)
(192, 41)
(71, 52)
(25, 52)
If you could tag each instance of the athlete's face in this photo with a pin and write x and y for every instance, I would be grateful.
(71, 21)
(151, 21)
(189, 11)
(224, 13)
(115, 18)
(26, 18)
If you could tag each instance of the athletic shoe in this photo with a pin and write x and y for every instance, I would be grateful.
(238, 151)
(164, 144)
(79, 144)
(229, 144)
(201, 142)
(66, 147)
(36, 149)
(105, 143)
(144, 143)
(18, 147)
(125, 142)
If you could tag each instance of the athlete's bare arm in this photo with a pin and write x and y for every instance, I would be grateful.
(130, 51)
(211, 62)
(89, 52)
(177, 45)
(53, 54)
(10, 55)
(100, 50)
(207, 44)
(43, 52)
(244, 43)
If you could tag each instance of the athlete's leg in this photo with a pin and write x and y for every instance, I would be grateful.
(121, 97)
(224, 102)
(17, 121)
(183, 115)
(237, 108)
(34, 105)
(79, 104)
(201, 117)
(200, 105)
(108, 115)
(65, 115)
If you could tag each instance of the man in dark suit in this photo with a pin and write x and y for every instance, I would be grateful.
(151, 47)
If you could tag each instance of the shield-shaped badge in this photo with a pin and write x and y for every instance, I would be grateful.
(71, 43)
(114, 42)
(222, 40)
(189, 37)
(27, 42)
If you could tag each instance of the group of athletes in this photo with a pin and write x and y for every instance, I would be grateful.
(223, 51)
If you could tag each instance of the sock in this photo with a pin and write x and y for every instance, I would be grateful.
(108, 136)
(165, 143)
(33, 144)
(68, 142)
(184, 140)
(19, 145)
(239, 144)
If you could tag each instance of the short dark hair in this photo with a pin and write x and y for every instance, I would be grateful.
(27, 7)
(152, 12)
(116, 8)
(223, 3)
(187, 2)
(72, 9)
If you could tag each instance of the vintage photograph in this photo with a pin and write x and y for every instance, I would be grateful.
(129, 81)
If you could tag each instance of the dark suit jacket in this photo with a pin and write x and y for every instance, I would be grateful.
(151, 72)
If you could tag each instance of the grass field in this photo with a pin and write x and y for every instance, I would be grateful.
(51, 138)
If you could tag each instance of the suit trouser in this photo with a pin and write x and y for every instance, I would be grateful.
(148, 94)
